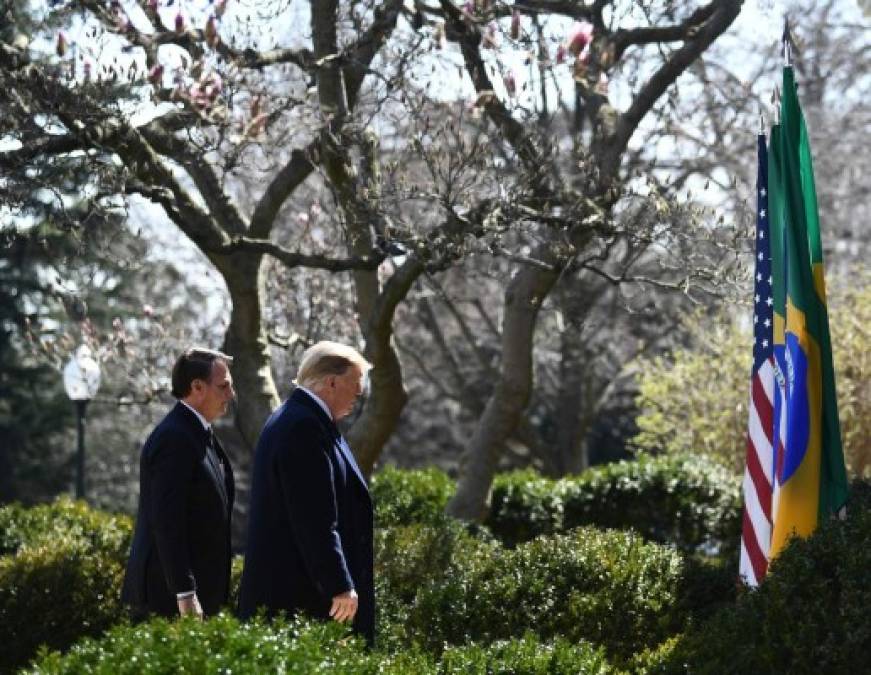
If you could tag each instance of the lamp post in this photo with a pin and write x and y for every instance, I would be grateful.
(81, 381)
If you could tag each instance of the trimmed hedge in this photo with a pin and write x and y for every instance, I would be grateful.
(809, 615)
(405, 497)
(60, 576)
(223, 645)
(95, 530)
(690, 502)
(525, 656)
(441, 586)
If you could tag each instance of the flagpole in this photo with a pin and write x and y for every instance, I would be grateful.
(786, 39)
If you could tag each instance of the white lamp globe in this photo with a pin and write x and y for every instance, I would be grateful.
(82, 375)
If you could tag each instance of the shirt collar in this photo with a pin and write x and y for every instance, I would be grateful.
(317, 399)
(196, 412)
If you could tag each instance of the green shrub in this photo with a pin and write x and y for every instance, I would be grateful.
(60, 575)
(809, 615)
(53, 594)
(43, 524)
(690, 502)
(224, 645)
(408, 558)
(525, 656)
(403, 497)
(609, 588)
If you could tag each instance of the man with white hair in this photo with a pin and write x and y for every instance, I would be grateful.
(310, 529)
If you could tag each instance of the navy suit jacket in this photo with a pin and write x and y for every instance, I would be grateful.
(181, 541)
(310, 523)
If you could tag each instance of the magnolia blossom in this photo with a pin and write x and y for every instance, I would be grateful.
(489, 40)
(152, 6)
(580, 35)
(515, 24)
(211, 32)
(179, 23)
(61, 44)
(561, 54)
(510, 82)
(155, 75)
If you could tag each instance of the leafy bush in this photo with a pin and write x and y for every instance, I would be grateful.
(53, 594)
(60, 575)
(525, 656)
(696, 400)
(224, 645)
(403, 497)
(809, 615)
(609, 588)
(690, 502)
(94, 530)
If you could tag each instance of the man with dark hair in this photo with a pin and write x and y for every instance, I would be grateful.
(180, 557)
(310, 528)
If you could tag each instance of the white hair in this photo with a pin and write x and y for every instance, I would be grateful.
(327, 358)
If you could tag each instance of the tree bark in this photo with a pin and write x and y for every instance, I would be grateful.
(246, 342)
(523, 298)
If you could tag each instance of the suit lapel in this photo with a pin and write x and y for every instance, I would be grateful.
(201, 435)
(228, 483)
(332, 431)
(348, 456)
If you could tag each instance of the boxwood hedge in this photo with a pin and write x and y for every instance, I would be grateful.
(690, 502)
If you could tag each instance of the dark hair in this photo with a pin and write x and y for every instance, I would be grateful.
(194, 364)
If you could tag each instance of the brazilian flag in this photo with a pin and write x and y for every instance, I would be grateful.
(810, 476)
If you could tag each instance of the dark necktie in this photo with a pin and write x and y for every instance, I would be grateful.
(212, 453)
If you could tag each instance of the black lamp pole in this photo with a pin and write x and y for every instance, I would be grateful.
(81, 409)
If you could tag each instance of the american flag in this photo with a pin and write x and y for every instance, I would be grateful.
(756, 530)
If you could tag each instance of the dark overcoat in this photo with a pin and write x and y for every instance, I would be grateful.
(311, 522)
(181, 540)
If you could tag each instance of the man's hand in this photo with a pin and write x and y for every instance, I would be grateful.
(344, 606)
(190, 605)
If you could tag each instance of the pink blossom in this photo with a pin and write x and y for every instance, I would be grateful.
(155, 75)
(515, 24)
(561, 54)
(148, 310)
(489, 40)
(179, 23)
(152, 6)
(211, 32)
(302, 217)
(580, 35)
(510, 82)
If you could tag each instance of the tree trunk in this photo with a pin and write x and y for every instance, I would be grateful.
(388, 395)
(523, 298)
(246, 342)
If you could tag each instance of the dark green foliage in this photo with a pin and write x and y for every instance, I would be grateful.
(64, 518)
(223, 645)
(526, 656)
(54, 594)
(610, 588)
(690, 502)
(404, 497)
(61, 567)
(809, 616)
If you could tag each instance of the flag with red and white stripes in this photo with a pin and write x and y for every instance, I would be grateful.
(758, 474)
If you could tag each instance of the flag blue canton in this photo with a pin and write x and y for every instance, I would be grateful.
(763, 299)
